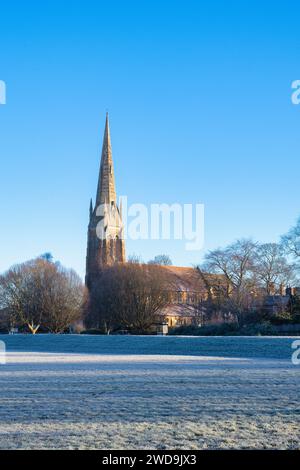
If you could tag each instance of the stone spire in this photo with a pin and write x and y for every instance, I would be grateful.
(106, 245)
(106, 191)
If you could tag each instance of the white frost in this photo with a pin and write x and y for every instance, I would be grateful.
(55, 400)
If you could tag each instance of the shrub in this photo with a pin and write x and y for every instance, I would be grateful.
(226, 329)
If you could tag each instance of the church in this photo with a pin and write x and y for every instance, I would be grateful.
(106, 246)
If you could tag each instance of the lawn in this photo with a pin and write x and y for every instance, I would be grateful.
(143, 392)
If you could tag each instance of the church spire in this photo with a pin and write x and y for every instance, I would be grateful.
(106, 191)
(106, 244)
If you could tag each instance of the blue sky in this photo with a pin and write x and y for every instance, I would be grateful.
(199, 96)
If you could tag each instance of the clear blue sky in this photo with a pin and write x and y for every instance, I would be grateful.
(200, 111)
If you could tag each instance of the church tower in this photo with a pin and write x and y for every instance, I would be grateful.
(106, 245)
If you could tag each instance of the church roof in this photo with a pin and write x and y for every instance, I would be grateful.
(185, 279)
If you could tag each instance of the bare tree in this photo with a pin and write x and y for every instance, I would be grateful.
(41, 293)
(130, 296)
(6, 322)
(135, 259)
(102, 304)
(271, 268)
(20, 295)
(161, 260)
(216, 303)
(47, 257)
(291, 242)
(228, 276)
(63, 298)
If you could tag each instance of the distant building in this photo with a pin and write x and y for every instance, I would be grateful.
(188, 294)
(281, 302)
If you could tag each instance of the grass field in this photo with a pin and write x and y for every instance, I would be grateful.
(148, 393)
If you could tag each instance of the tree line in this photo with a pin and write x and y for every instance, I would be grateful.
(42, 295)
(242, 276)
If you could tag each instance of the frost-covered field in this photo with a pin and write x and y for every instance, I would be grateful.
(124, 394)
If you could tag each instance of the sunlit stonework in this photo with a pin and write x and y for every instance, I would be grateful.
(106, 245)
